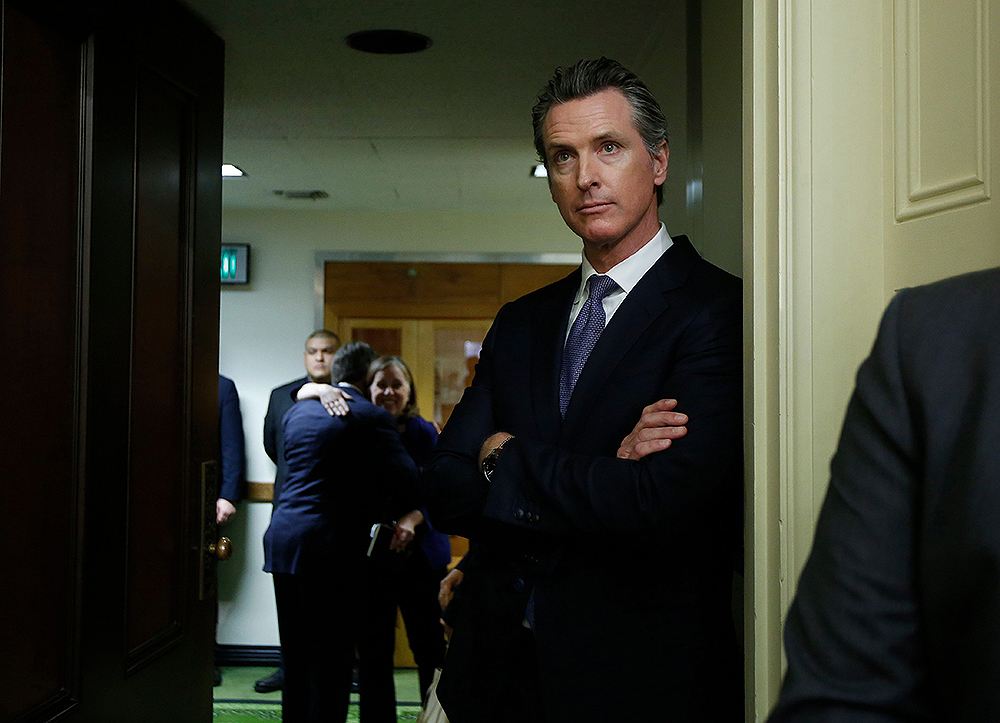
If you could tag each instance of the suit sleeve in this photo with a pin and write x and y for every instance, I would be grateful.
(397, 466)
(272, 427)
(542, 488)
(231, 443)
(851, 634)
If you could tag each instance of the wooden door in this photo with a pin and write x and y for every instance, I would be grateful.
(441, 354)
(110, 209)
(431, 314)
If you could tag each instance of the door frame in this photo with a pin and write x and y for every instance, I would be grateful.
(766, 285)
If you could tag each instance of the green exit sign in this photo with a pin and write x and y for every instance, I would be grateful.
(235, 266)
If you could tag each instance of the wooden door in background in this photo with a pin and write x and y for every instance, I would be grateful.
(433, 315)
(441, 353)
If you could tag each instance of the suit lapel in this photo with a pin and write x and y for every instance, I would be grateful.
(646, 301)
(548, 331)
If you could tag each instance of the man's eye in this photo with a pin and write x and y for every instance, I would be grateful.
(609, 147)
(561, 157)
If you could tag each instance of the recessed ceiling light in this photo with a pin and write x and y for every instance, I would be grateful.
(231, 171)
(388, 42)
(538, 171)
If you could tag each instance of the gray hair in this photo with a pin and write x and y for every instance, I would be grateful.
(589, 77)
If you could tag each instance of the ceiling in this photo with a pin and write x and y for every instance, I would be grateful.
(447, 129)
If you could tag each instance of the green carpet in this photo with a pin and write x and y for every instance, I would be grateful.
(251, 712)
(237, 702)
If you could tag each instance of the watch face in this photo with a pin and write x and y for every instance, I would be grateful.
(490, 463)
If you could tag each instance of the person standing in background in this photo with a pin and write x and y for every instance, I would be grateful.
(232, 451)
(321, 345)
(390, 385)
(345, 473)
(232, 463)
(412, 583)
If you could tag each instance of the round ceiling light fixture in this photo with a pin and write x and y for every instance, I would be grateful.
(388, 42)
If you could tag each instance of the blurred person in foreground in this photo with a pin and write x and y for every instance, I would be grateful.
(897, 613)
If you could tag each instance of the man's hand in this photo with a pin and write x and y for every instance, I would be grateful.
(406, 529)
(224, 509)
(657, 426)
(445, 593)
(447, 589)
(491, 443)
(334, 399)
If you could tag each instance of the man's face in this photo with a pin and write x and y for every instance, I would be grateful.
(319, 355)
(601, 176)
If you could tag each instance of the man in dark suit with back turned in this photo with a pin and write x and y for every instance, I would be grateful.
(345, 473)
(599, 585)
(897, 614)
(321, 345)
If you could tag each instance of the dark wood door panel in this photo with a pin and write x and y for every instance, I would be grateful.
(158, 428)
(385, 341)
(40, 284)
(110, 215)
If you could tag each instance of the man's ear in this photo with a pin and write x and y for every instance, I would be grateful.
(661, 159)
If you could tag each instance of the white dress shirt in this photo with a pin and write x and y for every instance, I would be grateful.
(625, 273)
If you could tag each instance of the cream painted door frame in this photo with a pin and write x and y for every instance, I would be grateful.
(867, 167)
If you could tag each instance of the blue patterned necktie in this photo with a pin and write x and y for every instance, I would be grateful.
(583, 336)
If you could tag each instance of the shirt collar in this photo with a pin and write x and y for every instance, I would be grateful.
(626, 273)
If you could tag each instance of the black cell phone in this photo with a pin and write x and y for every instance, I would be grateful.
(381, 536)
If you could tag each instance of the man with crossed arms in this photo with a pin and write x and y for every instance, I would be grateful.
(599, 584)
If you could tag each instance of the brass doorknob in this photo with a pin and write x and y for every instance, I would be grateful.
(223, 549)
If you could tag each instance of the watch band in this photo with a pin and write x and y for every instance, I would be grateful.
(490, 461)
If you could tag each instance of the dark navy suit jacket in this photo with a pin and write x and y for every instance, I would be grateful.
(631, 562)
(897, 614)
(344, 475)
(232, 445)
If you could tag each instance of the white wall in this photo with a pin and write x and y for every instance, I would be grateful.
(263, 327)
(722, 135)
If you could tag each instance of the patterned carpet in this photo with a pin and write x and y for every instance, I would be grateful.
(237, 702)
(253, 712)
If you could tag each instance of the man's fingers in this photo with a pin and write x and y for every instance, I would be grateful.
(651, 433)
(663, 405)
(655, 445)
(663, 419)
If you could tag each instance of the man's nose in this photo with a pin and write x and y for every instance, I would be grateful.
(587, 173)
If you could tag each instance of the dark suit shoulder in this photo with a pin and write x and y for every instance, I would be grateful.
(956, 310)
(286, 388)
(964, 293)
(715, 281)
(682, 265)
(365, 411)
(226, 386)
